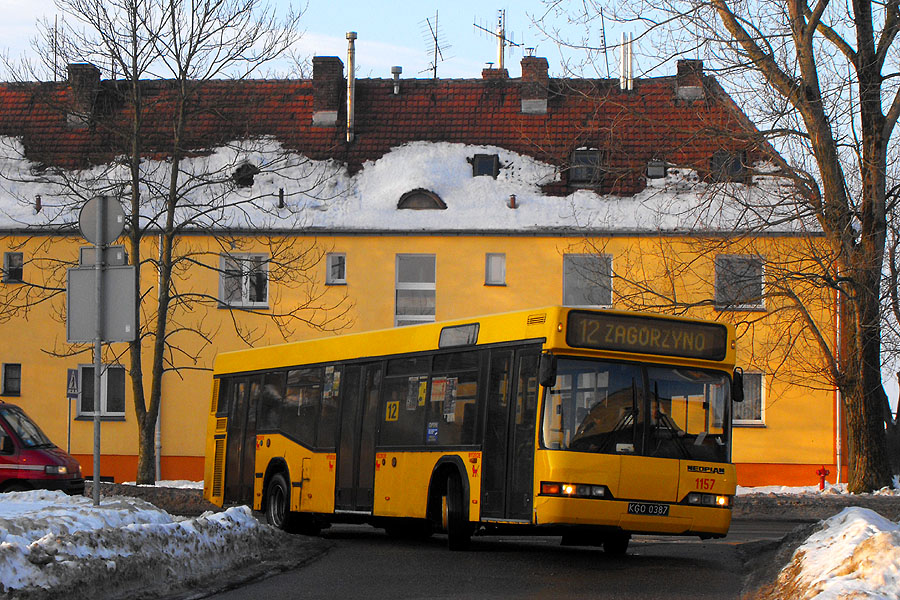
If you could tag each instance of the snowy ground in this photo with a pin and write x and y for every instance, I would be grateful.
(53, 545)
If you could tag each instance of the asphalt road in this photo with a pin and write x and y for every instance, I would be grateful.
(362, 562)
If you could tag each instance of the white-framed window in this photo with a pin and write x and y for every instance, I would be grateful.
(494, 268)
(751, 411)
(336, 266)
(415, 289)
(587, 280)
(112, 391)
(13, 267)
(739, 282)
(244, 280)
(12, 379)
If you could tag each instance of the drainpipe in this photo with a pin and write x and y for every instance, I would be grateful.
(838, 413)
(158, 441)
(351, 83)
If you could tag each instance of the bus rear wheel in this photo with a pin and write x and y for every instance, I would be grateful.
(459, 531)
(278, 504)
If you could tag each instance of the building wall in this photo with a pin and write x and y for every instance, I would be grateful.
(798, 432)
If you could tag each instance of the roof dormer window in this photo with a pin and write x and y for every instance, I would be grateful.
(420, 199)
(244, 174)
(485, 164)
(587, 167)
(728, 165)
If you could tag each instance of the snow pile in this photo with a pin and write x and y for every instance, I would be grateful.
(52, 545)
(856, 554)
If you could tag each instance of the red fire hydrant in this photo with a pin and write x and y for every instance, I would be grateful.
(822, 473)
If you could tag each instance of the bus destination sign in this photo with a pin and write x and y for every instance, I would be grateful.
(626, 333)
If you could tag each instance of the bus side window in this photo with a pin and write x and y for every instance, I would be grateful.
(301, 405)
(270, 402)
(326, 430)
(223, 401)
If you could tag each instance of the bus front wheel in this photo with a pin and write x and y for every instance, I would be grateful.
(459, 532)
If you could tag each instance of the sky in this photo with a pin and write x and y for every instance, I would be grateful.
(60, 542)
(387, 35)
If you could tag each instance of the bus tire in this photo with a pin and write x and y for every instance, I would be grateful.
(459, 531)
(616, 544)
(278, 504)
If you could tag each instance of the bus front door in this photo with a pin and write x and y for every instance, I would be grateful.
(354, 489)
(508, 451)
(240, 456)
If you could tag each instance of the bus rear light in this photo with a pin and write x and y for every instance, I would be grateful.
(573, 490)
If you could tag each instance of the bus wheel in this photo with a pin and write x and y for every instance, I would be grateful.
(459, 532)
(616, 544)
(278, 507)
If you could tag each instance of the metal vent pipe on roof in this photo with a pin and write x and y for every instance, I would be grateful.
(395, 71)
(351, 82)
(626, 74)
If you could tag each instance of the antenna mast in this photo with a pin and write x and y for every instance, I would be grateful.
(500, 34)
(436, 46)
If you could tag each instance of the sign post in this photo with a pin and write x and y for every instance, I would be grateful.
(101, 221)
(72, 388)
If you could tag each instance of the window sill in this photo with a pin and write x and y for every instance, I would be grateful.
(243, 306)
(102, 418)
(486, 284)
(11, 394)
(335, 283)
(740, 308)
(750, 424)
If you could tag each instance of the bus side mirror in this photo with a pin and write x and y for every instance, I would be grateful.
(737, 385)
(547, 370)
(6, 445)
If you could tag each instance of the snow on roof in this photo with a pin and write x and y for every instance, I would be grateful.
(324, 196)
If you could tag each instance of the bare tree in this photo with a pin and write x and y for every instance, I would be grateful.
(818, 78)
(179, 195)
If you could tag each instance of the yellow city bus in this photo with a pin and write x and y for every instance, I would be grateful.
(589, 424)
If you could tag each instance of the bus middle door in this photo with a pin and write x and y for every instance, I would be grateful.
(355, 477)
(508, 450)
(240, 456)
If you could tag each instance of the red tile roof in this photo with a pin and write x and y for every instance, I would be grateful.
(631, 127)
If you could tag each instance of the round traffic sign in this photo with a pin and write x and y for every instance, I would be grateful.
(112, 222)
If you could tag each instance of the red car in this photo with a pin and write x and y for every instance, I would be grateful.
(29, 460)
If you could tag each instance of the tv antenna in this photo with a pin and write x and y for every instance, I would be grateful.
(436, 43)
(500, 34)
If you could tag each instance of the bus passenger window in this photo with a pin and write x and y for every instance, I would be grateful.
(452, 410)
(301, 404)
(270, 402)
(403, 411)
(326, 431)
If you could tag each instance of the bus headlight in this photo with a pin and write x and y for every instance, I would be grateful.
(55, 470)
(698, 499)
(573, 490)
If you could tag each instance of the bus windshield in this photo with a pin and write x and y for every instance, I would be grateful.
(647, 410)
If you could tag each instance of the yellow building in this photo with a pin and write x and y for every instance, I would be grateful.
(451, 198)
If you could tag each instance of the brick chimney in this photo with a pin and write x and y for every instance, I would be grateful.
(494, 74)
(535, 83)
(84, 83)
(689, 80)
(328, 90)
